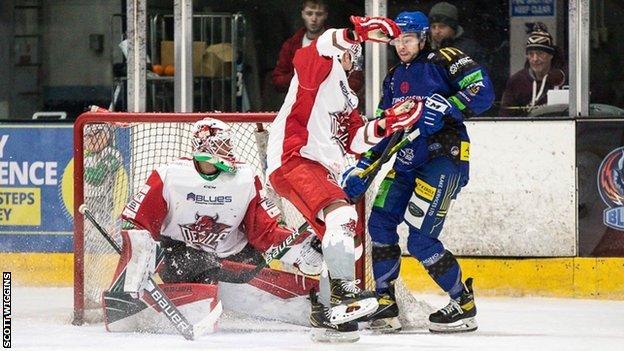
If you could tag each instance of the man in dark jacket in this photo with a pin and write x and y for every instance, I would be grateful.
(543, 71)
(446, 31)
(314, 15)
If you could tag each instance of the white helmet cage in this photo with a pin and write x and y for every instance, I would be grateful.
(214, 137)
(357, 59)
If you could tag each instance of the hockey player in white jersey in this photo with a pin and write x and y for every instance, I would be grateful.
(195, 212)
(316, 127)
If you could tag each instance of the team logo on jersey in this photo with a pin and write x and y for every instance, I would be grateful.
(210, 199)
(339, 129)
(206, 231)
(406, 155)
(611, 188)
(404, 87)
(474, 88)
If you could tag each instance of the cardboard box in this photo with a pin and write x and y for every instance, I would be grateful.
(167, 55)
(218, 60)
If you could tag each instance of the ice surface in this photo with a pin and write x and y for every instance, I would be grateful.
(41, 321)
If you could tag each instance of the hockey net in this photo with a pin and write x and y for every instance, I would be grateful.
(114, 153)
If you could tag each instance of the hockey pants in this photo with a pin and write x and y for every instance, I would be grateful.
(421, 198)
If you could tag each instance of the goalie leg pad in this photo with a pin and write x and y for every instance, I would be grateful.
(197, 302)
(137, 261)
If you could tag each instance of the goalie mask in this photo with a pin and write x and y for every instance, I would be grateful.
(212, 143)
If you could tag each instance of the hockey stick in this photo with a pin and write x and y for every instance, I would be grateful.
(372, 170)
(375, 166)
(172, 313)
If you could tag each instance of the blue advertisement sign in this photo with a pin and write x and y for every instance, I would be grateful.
(36, 188)
(529, 8)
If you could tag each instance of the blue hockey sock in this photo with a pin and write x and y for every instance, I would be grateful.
(445, 271)
(386, 265)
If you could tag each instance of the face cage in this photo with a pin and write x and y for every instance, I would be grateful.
(358, 63)
(219, 146)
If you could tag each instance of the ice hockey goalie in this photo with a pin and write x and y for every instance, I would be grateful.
(194, 218)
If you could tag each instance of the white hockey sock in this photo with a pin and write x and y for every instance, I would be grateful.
(338, 246)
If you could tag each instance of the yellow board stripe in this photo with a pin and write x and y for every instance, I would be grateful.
(39, 269)
(580, 277)
(599, 278)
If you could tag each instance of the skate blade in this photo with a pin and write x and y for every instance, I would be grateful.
(346, 313)
(461, 326)
(385, 325)
(333, 336)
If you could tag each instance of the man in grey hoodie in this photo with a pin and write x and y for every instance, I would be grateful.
(446, 31)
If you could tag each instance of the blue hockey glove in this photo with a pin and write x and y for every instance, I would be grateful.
(351, 183)
(436, 107)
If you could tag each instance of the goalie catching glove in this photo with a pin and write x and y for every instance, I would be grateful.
(305, 254)
(376, 29)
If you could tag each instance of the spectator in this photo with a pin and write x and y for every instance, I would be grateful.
(446, 31)
(314, 14)
(543, 70)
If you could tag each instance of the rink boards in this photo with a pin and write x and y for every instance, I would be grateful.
(518, 213)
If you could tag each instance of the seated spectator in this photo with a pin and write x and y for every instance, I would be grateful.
(446, 31)
(314, 14)
(543, 71)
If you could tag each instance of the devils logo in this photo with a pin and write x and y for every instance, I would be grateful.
(205, 232)
(339, 129)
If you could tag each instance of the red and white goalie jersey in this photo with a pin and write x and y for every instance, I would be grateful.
(218, 216)
(319, 119)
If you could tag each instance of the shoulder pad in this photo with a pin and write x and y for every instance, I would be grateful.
(455, 61)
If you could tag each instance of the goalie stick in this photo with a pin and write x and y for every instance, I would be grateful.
(182, 325)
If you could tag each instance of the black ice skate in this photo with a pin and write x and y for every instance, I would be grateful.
(386, 318)
(458, 316)
(349, 302)
(325, 331)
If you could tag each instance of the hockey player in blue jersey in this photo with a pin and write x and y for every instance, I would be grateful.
(427, 174)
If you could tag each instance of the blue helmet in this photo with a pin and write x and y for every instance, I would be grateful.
(412, 22)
